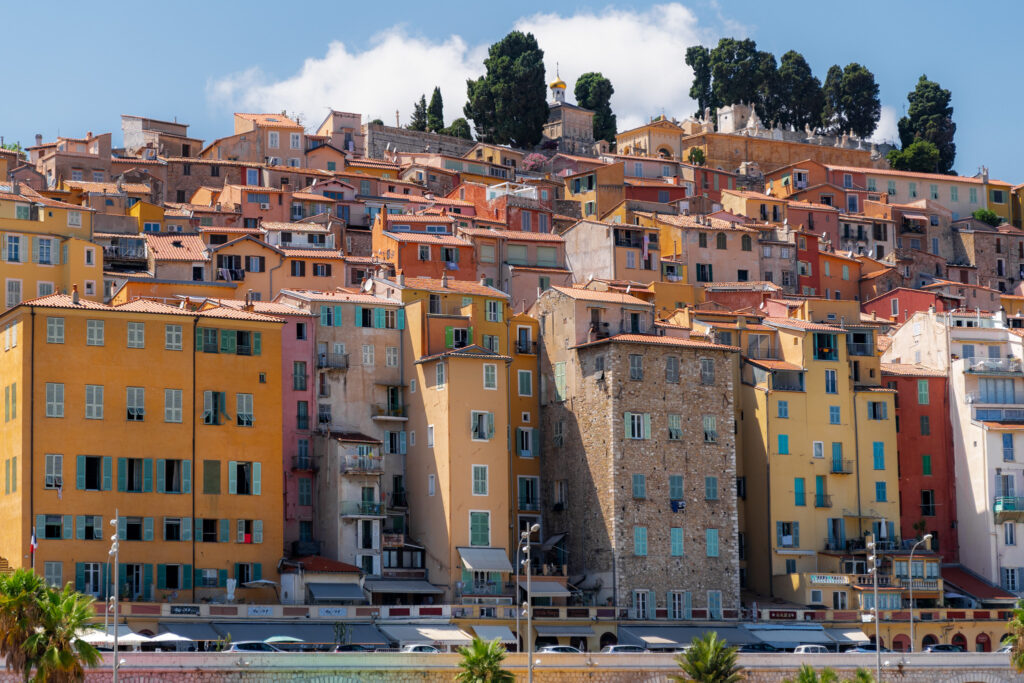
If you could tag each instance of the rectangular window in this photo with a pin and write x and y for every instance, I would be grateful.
(799, 493)
(707, 371)
(926, 464)
(783, 409)
(305, 491)
(172, 405)
(639, 486)
(675, 487)
(243, 403)
(710, 429)
(244, 478)
(54, 476)
(830, 382)
(877, 410)
(833, 415)
(136, 335)
(710, 488)
(391, 356)
(479, 480)
(94, 333)
(922, 392)
(493, 311)
(675, 535)
(783, 444)
(479, 528)
(711, 541)
(640, 541)
(93, 402)
(675, 427)
(926, 427)
(368, 355)
(54, 330)
(672, 369)
(490, 376)
(439, 378)
(1010, 533)
(172, 337)
(636, 366)
(481, 425)
(135, 404)
(525, 383)
(1008, 455)
(880, 492)
(878, 453)
(299, 376)
(54, 399)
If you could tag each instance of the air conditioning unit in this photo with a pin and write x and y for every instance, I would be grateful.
(265, 206)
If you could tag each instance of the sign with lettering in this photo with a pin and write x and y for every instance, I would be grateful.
(333, 612)
(780, 614)
(260, 611)
(189, 610)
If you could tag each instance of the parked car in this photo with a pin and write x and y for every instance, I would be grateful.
(353, 647)
(1005, 648)
(867, 648)
(942, 647)
(758, 647)
(420, 649)
(560, 649)
(810, 650)
(252, 646)
(621, 649)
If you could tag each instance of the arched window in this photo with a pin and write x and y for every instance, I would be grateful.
(720, 240)
(983, 643)
(746, 243)
(929, 640)
(901, 643)
(960, 641)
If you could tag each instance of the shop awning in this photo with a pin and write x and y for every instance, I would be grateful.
(446, 634)
(485, 559)
(550, 589)
(364, 634)
(790, 636)
(847, 636)
(195, 630)
(335, 592)
(554, 631)
(489, 633)
(552, 541)
(670, 637)
(248, 630)
(397, 586)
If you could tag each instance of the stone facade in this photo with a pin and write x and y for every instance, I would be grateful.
(378, 138)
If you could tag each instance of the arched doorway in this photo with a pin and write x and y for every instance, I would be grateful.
(983, 643)
(929, 640)
(959, 640)
(579, 642)
(609, 638)
(901, 643)
(664, 153)
(881, 641)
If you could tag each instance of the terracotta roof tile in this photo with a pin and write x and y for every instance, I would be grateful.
(802, 325)
(273, 226)
(753, 285)
(270, 120)
(108, 188)
(657, 340)
(430, 284)
(313, 197)
(581, 294)
(403, 218)
(908, 370)
(322, 565)
(312, 253)
(340, 297)
(770, 364)
(428, 238)
(177, 247)
(911, 174)
(513, 235)
(274, 308)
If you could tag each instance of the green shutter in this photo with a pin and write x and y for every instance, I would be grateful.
(224, 531)
(359, 316)
(67, 527)
(778, 534)
(222, 577)
(186, 476)
(40, 526)
(161, 576)
(490, 425)
(378, 318)
(337, 316)
(147, 574)
(186, 577)
(239, 531)
(324, 310)
(257, 343)
(647, 425)
(147, 528)
(80, 577)
(199, 339)
(80, 528)
(122, 528)
(469, 336)
(257, 571)
(222, 404)
(627, 419)
(108, 465)
(161, 484)
(401, 443)
(122, 474)
(80, 472)
(400, 318)
(238, 572)
(186, 528)
(198, 577)
(232, 477)
(228, 341)
(257, 531)
(449, 337)
(147, 475)
(256, 488)
(796, 534)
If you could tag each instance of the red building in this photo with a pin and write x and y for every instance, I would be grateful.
(901, 303)
(816, 218)
(808, 273)
(654, 190)
(517, 206)
(924, 443)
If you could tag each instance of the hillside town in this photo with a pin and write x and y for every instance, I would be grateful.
(711, 373)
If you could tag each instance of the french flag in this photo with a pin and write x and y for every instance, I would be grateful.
(33, 544)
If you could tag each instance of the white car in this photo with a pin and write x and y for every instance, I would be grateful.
(560, 649)
(420, 649)
(810, 650)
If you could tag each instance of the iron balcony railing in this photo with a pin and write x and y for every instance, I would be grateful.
(334, 361)
(361, 508)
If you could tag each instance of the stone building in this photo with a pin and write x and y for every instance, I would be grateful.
(570, 126)
(640, 484)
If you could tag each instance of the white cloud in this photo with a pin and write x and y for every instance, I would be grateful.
(886, 131)
(640, 51)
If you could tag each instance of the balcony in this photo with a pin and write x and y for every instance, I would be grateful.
(399, 499)
(332, 361)
(389, 411)
(600, 330)
(989, 399)
(822, 500)
(362, 508)
(302, 422)
(840, 466)
(999, 414)
(868, 580)
(304, 463)
(526, 346)
(787, 380)
(486, 588)
(362, 464)
(992, 366)
(860, 349)
(134, 250)
(532, 504)
(1008, 508)
(306, 548)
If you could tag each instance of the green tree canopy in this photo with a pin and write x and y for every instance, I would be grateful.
(851, 101)
(508, 105)
(709, 660)
(435, 112)
(696, 156)
(930, 117)
(799, 92)
(698, 58)
(377, 122)
(419, 115)
(988, 216)
(593, 91)
(742, 73)
(459, 129)
(921, 156)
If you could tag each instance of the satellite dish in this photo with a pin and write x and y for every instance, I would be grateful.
(368, 285)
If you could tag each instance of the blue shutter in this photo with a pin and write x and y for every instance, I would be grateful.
(778, 534)
(108, 465)
(257, 343)
(378, 318)
(67, 527)
(401, 442)
(186, 528)
(232, 477)
(161, 576)
(122, 474)
(147, 573)
(147, 475)
(257, 531)
(80, 472)
(256, 487)
(80, 577)
(324, 310)
(647, 425)
(186, 476)
(122, 528)
(257, 571)
(161, 484)
(186, 576)
(359, 316)
(40, 526)
(147, 528)
(337, 316)
(626, 421)
(79, 528)
(400, 318)
(222, 577)
(224, 531)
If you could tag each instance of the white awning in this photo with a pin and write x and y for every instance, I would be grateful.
(791, 636)
(485, 559)
(564, 631)
(194, 630)
(489, 633)
(552, 589)
(400, 586)
(846, 636)
(446, 634)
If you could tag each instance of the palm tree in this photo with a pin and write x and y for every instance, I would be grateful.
(61, 655)
(481, 663)
(20, 612)
(862, 675)
(1016, 638)
(709, 660)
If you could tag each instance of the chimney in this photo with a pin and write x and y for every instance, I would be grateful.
(74, 294)
(483, 282)
(444, 280)
(400, 279)
(39, 139)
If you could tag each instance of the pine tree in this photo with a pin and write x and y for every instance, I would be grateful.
(435, 112)
(419, 115)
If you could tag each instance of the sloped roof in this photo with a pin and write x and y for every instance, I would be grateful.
(583, 294)
(177, 247)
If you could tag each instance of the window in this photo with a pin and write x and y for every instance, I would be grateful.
(783, 444)
(93, 402)
(54, 476)
(55, 330)
(479, 528)
(878, 452)
(439, 375)
(273, 139)
(243, 404)
(675, 487)
(295, 140)
(877, 410)
(432, 486)
(799, 494)
(675, 428)
(482, 425)
(672, 369)
(305, 491)
(721, 241)
(782, 409)
(927, 503)
(675, 535)
(638, 425)
(391, 356)
(926, 427)
(710, 429)
(244, 478)
(1009, 533)
(818, 449)
(926, 464)
(707, 371)
(135, 404)
(830, 382)
(525, 383)
(94, 333)
(711, 541)
(54, 399)
(493, 312)
(299, 375)
(368, 354)
(833, 415)
(136, 335)
(479, 480)
(639, 486)
(640, 541)
(560, 381)
(636, 366)
(1008, 455)
(710, 488)
(880, 492)
(922, 392)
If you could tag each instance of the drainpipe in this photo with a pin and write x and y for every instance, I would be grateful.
(29, 409)
(195, 472)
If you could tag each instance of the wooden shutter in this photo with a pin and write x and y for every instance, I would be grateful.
(186, 476)
(232, 476)
(256, 487)
(147, 475)
(186, 528)
(108, 465)
(161, 483)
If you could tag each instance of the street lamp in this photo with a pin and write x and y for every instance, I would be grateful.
(876, 562)
(524, 547)
(115, 552)
(927, 537)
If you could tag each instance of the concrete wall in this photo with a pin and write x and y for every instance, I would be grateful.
(401, 140)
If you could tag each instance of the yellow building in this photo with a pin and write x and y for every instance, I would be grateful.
(598, 191)
(45, 247)
(754, 205)
(167, 416)
(150, 216)
(819, 456)
(524, 424)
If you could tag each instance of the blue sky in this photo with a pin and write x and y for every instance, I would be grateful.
(204, 60)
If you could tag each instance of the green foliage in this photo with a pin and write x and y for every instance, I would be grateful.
(593, 91)
(799, 92)
(862, 675)
(481, 663)
(459, 129)
(709, 660)
(807, 674)
(435, 112)
(921, 156)
(419, 115)
(696, 156)
(742, 73)
(20, 612)
(13, 146)
(698, 58)
(988, 216)
(1016, 638)
(930, 117)
(851, 101)
(378, 122)
(508, 105)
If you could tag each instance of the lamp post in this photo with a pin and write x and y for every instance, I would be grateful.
(876, 562)
(927, 537)
(524, 547)
(115, 552)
